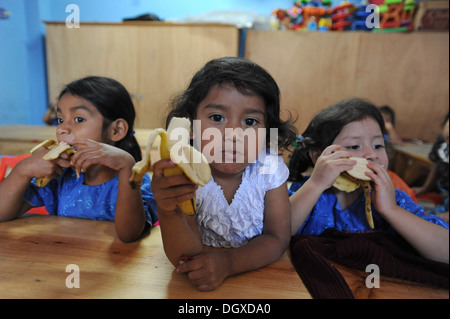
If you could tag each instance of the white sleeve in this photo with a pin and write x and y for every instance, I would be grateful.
(272, 171)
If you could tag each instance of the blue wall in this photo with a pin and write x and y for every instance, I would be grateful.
(23, 88)
(22, 69)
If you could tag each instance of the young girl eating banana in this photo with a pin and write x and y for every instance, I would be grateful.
(95, 116)
(355, 128)
(245, 205)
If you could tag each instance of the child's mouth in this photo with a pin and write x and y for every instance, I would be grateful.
(233, 156)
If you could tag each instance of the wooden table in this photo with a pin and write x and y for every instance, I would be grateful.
(20, 139)
(35, 251)
(411, 161)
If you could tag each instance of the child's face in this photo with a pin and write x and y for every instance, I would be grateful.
(78, 118)
(230, 138)
(364, 139)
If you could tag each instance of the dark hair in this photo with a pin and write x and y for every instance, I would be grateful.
(113, 101)
(386, 109)
(248, 78)
(325, 126)
(445, 121)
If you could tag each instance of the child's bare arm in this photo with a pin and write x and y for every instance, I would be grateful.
(430, 240)
(14, 186)
(130, 214)
(179, 232)
(328, 166)
(12, 190)
(208, 270)
(268, 247)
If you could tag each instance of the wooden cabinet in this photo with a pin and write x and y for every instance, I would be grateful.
(155, 60)
(152, 60)
(408, 71)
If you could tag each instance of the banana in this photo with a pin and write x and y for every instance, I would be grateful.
(354, 178)
(359, 170)
(189, 161)
(366, 189)
(346, 183)
(55, 150)
(47, 144)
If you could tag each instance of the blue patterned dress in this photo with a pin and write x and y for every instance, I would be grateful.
(327, 213)
(68, 196)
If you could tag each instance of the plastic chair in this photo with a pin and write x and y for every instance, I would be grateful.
(7, 163)
(400, 184)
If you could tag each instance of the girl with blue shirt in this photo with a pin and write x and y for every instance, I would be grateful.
(95, 116)
(355, 128)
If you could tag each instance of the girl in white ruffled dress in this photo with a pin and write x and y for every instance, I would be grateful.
(245, 206)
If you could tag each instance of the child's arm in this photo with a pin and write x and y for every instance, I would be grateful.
(430, 183)
(14, 186)
(430, 240)
(130, 214)
(208, 270)
(328, 166)
(12, 190)
(179, 232)
(393, 135)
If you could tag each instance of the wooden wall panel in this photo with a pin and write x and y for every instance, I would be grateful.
(408, 71)
(153, 61)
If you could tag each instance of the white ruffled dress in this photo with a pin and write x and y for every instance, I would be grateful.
(232, 225)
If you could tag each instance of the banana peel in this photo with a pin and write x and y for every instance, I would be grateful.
(56, 149)
(355, 178)
(189, 160)
(366, 189)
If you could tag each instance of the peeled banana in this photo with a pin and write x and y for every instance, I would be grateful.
(189, 161)
(354, 178)
(55, 150)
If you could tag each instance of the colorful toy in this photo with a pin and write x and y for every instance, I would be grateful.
(318, 15)
(408, 13)
(341, 15)
(315, 9)
(359, 19)
(391, 18)
(325, 24)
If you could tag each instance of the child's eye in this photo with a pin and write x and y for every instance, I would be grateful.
(251, 122)
(352, 147)
(378, 146)
(78, 119)
(59, 120)
(216, 118)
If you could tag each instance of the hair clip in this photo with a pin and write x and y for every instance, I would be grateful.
(299, 141)
(134, 132)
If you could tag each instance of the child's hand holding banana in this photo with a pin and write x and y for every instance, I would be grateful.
(190, 161)
(55, 151)
(352, 179)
